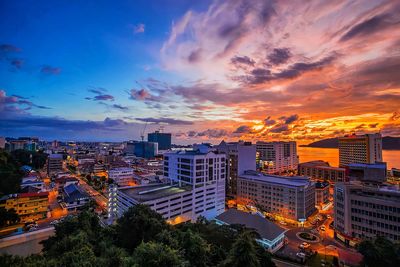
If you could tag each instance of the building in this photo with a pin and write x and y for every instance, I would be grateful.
(163, 139)
(142, 149)
(240, 156)
(291, 198)
(29, 206)
(74, 197)
(121, 176)
(365, 212)
(54, 163)
(373, 173)
(2, 142)
(272, 237)
(360, 149)
(277, 157)
(196, 188)
(322, 195)
(321, 170)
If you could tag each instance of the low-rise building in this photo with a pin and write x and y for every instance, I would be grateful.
(272, 237)
(321, 170)
(74, 197)
(28, 206)
(291, 198)
(322, 195)
(121, 176)
(368, 172)
(365, 212)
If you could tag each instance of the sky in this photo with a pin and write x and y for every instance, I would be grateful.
(202, 70)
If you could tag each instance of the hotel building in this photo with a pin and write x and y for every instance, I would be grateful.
(196, 188)
(360, 149)
(365, 212)
(290, 197)
(277, 157)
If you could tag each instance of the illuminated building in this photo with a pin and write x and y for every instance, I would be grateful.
(28, 206)
(360, 149)
(277, 157)
(290, 197)
(121, 176)
(319, 169)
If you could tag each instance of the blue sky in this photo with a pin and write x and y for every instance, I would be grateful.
(205, 70)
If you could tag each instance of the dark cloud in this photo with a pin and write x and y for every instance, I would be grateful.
(268, 121)
(103, 97)
(243, 129)
(195, 56)
(16, 103)
(117, 106)
(49, 70)
(244, 60)
(191, 133)
(17, 63)
(279, 56)
(9, 48)
(141, 94)
(165, 120)
(291, 118)
(100, 95)
(213, 133)
(279, 128)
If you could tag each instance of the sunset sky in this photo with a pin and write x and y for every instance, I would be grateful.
(205, 70)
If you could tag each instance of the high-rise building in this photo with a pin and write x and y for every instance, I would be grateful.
(196, 188)
(54, 163)
(365, 148)
(163, 139)
(365, 212)
(289, 197)
(240, 157)
(277, 157)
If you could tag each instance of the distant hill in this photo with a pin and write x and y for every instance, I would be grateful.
(388, 143)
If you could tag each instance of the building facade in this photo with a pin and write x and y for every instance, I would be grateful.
(54, 163)
(292, 198)
(163, 139)
(121, 176)
(321, 170)
(373, 173)
(322, 195)
(240, 157)
(360, 149)
(277, 157)
(365, 212)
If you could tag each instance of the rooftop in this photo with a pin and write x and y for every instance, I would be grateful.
(265, 228)
(151, 192)
(283, 180)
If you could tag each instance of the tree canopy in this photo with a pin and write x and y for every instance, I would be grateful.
(380, 252)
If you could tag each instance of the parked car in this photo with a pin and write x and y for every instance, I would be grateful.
(301, 255)
(322, 228)
(283, 222)
(328, 216)
(304, 245)
(54, 222)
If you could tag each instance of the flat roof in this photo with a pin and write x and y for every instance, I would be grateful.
(151, 192)
(283, 180)
(266, 229)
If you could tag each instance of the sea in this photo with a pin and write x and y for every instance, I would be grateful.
(331, 155)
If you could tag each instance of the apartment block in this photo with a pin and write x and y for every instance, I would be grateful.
(277, 157)
(321, 170)
(360, 149)
(365, 211)
(289, 197)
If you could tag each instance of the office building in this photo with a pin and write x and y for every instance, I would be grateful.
(372, 173)
(277, 157)
(196, 188)
(321, 170)
(271, 236)
(29, 206)
(54, 163)
(163, 139)
(322, 195)
(121, 176)
(240, 156)
(365, 212)
(291, 198)
(360, 149)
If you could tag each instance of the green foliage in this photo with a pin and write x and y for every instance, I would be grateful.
(380, 252)
(141, 237)
(10, 174)
(23, 157)
(8, 217)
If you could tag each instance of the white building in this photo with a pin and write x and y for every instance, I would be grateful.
(196, 188)
(121, 176)
(277, 157)
(360, 149)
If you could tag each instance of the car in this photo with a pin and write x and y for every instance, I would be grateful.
(328, 216)
(300, 255)
(54, 222)
(283, 222)
(32, 229)
(304, 245)
(323, 228)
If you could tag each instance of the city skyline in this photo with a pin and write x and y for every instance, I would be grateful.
(252, 70)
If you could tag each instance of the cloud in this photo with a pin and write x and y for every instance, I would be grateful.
(17, 63)
(243, 129)
(279, 56)
(16, 104)
(103, 97)
(279, 128)
(170, 121)
(242, 60)
(9, 48)
(100, 95)
(213, 133)
(120, 107)
(138, 28)
(49, 70)
(268, 121)
(290, 119)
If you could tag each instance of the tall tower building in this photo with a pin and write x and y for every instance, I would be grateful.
(360, 149)
(240, 157)
(163, 139)
(277, 157)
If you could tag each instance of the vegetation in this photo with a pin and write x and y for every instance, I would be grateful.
(380, 252)
(10, 174)
(35, 159)
(308, 236)
(8, 217)
(142, 238)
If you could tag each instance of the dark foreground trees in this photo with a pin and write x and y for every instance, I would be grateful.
(380, 252)
(142, 238)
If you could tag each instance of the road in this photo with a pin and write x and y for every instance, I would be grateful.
(99, 198)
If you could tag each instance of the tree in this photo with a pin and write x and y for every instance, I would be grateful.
(139, 224)
(243, 252)
(380, 252)
(154, 254)
(8, 217)
(196, 249)
(10, 174)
